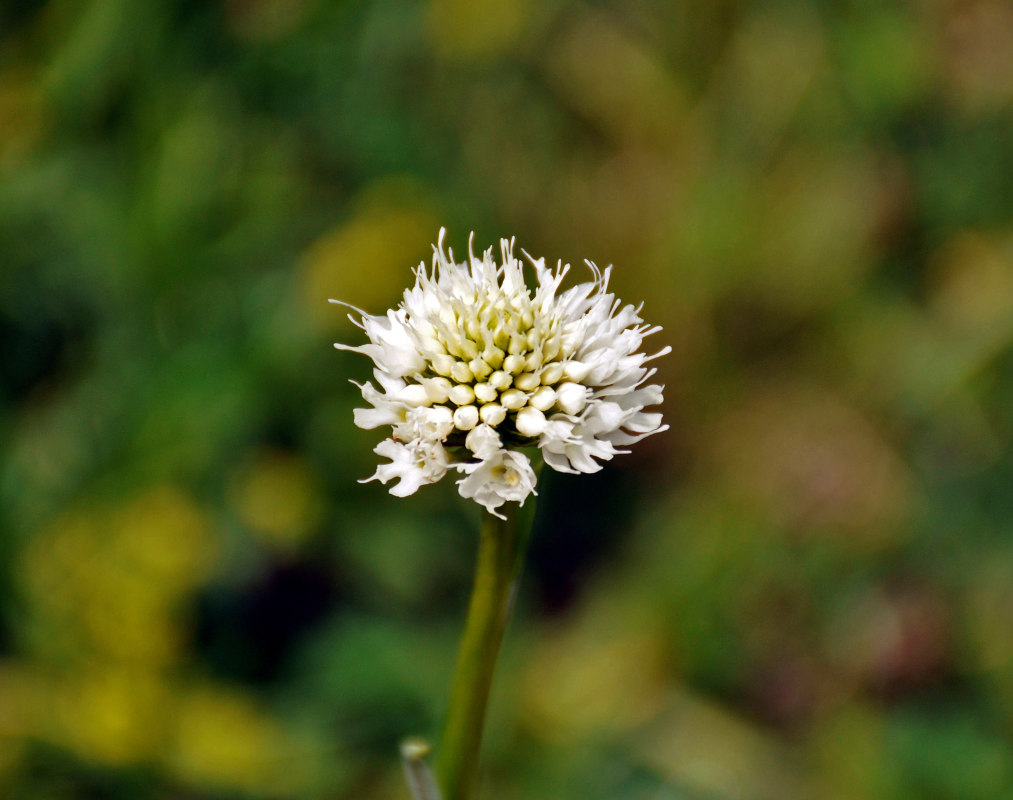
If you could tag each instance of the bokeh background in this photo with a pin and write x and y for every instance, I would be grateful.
(803, 590)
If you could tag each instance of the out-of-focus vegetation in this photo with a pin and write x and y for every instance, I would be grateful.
(804, 590)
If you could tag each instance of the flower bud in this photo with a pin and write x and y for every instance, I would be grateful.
(440, 416)
(493, 356)
(513, 363)
(415, 395)
(500, 380)
(432, 346)
(513, 399)
(571, 398)
(530, 421)
(461, 373)
(543, 399)
(485, 393)
(438, 389)
(468, 349)
(576, 370)
(552, 373)
(461, 395)
(527, 382)
(443, 364)
(479, 368)
(466, 418)
(492, 414)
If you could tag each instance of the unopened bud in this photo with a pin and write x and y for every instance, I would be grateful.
(466, 418)
(513, 399)
(486, 393)
(576, 370)
(530, 421)
(492, 414)
(461, 373)
(461, 395)
(543, 399)
(438, 389)
(571, 398)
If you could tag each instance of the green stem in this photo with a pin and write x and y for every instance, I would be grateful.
(500, 554)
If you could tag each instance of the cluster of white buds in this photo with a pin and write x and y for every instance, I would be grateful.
(473, 366)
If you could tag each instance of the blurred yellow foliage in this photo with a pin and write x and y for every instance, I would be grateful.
(136, 626)
(812, 251)
(367, 260)
(223, 738)
(619, 82)
(112, 580)
(163, 534)
(977, 40)
(476, 30)
(278, 497)
(108, 715)
(772, 62)
(21, 116)
(989, 619)
(105, 586)
(972, 290)
(265, 20)
(11, 753)
(20, 697)
(715, 753)
(855, 729)
(568, 682)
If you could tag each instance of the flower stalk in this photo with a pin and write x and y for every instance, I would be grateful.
(421, 782)
(500, 555)
(477, 372)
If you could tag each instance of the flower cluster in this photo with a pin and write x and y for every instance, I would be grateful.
(473, 366)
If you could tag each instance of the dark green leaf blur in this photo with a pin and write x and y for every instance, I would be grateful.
(802, 591)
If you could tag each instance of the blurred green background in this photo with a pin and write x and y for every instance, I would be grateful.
(803, 590)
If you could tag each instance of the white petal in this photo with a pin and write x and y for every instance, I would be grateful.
(506, 476)
(483, 441)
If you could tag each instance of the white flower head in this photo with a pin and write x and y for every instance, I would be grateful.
(503, 476)
(474, 365)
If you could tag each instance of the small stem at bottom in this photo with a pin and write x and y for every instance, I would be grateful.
(499, 559)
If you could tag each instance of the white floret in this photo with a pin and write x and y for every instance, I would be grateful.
(505, 476)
